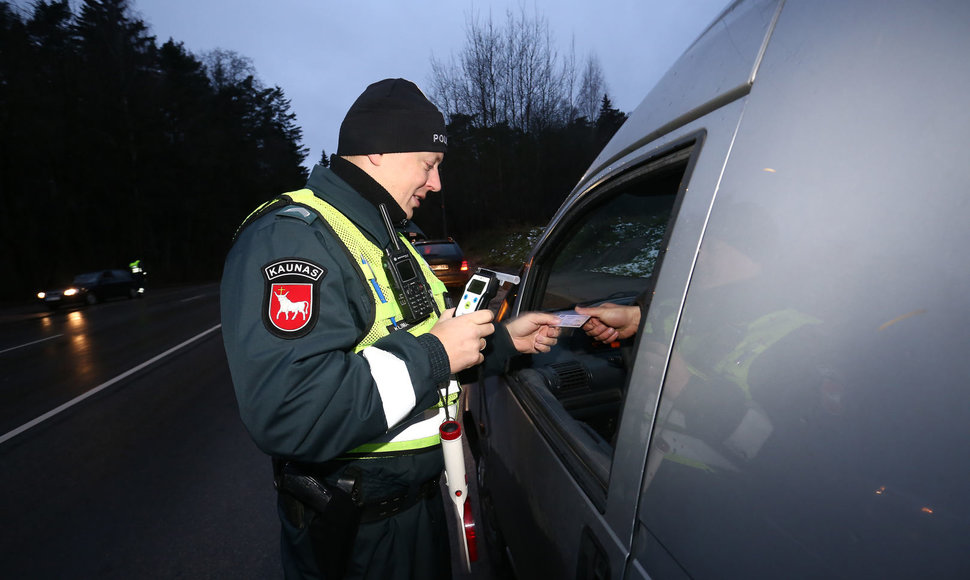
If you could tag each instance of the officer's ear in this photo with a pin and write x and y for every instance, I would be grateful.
(376, 158)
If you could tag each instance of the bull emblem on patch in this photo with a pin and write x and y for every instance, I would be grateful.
(289, 307)
(289, 311)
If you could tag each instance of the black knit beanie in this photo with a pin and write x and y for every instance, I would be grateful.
(392, 116)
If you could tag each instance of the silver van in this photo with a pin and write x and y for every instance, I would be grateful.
(790, 210)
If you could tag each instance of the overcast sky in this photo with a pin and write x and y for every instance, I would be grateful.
(324, 53)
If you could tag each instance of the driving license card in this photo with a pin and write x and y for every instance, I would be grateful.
(570, 319)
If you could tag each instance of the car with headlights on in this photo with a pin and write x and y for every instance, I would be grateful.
(91, 288)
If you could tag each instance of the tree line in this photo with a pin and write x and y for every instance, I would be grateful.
(524, 122)
(116, 147)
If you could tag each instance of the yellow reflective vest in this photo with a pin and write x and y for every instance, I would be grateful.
(420, 432)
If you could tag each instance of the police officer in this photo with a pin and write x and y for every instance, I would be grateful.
(339, 377)
(138, 273)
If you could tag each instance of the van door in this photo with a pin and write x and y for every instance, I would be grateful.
(559, 472)
(821, 432)
(565, 434)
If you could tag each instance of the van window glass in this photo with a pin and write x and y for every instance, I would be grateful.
(612, 251)
(607, 251)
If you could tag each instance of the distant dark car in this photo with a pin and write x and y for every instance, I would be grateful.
(93, 287)
(446, 259)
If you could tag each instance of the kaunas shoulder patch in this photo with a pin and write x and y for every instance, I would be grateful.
(291, 296)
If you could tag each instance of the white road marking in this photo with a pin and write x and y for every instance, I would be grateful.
(101, 387)
(29, 343)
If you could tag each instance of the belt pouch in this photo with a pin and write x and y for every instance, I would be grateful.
(333, 526)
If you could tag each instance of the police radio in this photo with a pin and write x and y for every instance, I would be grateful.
(480, 290)
(412, 293)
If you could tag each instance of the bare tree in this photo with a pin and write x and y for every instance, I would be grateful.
(592, 87)
(227, 67)
(513, 76)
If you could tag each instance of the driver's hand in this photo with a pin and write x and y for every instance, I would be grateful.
(609, 322)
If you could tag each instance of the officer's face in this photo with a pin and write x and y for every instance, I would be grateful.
(408, 177)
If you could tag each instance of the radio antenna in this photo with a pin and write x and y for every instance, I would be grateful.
(390, 229)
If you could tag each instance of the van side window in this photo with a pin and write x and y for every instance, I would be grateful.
(612, 251)
(607, 251)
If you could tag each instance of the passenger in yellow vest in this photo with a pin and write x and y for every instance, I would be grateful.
(731, 335)
(339, 381)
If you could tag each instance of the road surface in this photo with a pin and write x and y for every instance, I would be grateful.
(121, 450)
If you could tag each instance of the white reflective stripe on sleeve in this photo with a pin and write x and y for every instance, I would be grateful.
(422, 429)
(393, 383)
(430, 426)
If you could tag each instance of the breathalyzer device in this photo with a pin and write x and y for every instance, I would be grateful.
(480, 290)
(412, 293)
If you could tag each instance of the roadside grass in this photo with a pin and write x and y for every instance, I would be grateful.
(506, 249)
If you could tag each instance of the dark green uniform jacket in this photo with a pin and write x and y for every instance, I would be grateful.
(295, 307)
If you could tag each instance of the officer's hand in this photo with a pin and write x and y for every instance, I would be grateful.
(464, 337)
(533, 332)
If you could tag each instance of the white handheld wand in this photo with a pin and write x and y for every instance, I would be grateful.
(451, 446)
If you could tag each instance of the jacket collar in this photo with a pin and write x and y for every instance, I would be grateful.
(356, 195)
(368, 188)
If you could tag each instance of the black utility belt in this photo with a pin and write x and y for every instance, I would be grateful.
(372, 511)
(344, 500)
